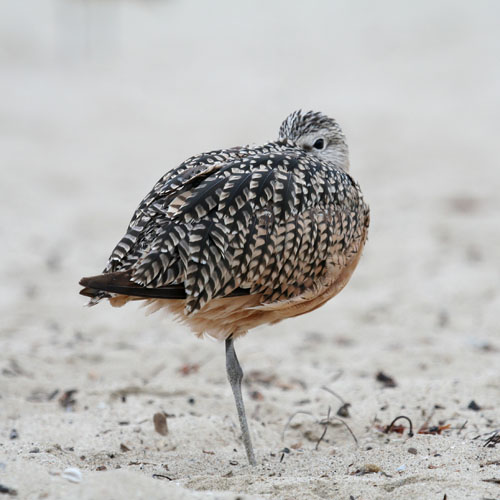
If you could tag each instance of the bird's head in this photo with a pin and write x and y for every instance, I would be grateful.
(317, 134)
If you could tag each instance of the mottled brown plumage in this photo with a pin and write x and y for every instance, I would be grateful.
(235, 238)
(275, 228)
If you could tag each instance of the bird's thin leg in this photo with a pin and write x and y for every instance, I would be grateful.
(235, 374)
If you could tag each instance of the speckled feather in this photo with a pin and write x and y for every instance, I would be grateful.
(268, 220)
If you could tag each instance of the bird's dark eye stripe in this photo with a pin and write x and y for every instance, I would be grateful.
(319, 144)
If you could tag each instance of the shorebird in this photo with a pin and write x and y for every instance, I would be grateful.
(235, 238)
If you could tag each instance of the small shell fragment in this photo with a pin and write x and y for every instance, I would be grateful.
(72, 474)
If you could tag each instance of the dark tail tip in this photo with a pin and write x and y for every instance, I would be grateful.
(84, 281)
(88, 292)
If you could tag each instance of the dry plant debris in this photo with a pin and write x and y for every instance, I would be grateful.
(66, 400)
(160, 423)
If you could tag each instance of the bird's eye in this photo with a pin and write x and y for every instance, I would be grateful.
(319, 144)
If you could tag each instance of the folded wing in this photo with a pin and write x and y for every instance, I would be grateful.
(230, 223)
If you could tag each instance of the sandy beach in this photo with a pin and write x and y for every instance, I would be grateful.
(99, 99)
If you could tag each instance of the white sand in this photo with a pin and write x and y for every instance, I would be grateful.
(98, 99)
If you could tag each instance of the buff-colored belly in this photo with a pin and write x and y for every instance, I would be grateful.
(222, 317)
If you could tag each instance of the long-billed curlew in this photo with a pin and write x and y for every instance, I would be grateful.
(235, 238)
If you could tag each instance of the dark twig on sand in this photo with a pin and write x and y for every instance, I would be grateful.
(325, 423)
(343, 411)
(462, 428)
(289, 421)
(389, 427)
(333, 393)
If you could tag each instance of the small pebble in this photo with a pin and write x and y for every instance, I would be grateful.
(343, 411)
(233, 462)
(473, 406)
(35, 450)
(413, 451)
(72, 474)
(386, 380)
(13, 434)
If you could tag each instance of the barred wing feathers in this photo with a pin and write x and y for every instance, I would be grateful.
(267, 221)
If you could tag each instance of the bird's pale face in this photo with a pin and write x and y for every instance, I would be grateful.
(317, 134)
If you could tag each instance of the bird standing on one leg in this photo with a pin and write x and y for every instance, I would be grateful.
(236, 238)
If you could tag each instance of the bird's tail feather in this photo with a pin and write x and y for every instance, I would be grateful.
(101, 286)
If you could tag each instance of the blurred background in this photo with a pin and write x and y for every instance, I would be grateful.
(98, 98)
